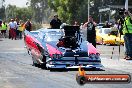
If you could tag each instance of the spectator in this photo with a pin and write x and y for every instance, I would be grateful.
(12, 30)
(0, 22)
(78, 31)
(91, 32)
(106, 25)
(0, 27)
(55, 22)
(127, 31)
(28, 25)
(114, 29)
(20, 29)
(76, 23)
(17, 27)
(120, 26)
(4, 29)
(81, 26)
(116, 26)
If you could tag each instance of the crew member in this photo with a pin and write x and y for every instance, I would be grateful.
(28, 25)
(91, 32)
(76, 23)
(0, 25)
(55, 22)
(0, 22)
(4, 29)
(20, 28)
(127, 31)
(17, 27)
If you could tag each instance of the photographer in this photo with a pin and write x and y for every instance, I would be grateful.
(127, 31)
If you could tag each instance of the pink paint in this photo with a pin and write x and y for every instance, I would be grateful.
(35, 40)
(52, 50)
(92, 49)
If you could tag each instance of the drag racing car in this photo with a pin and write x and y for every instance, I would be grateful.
(61, 48)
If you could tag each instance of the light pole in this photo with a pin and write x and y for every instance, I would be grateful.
(100, 17)
(126, 4)
(1, 3)
(88, 9)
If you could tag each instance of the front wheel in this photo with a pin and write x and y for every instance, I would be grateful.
(44, 62)
(34, 62)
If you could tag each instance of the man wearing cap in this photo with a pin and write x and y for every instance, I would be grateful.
(127, 31)
(55, 22)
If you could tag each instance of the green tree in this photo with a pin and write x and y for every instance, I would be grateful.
(68, 10)
(2, 10)
(71, 10)
(40, 10)
(16, 12)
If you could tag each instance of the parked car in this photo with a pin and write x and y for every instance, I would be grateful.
(107, 36)
(100, 25)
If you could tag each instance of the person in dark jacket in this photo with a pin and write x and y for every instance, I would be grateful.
(0, 22)
(55, 22)
(28, 25)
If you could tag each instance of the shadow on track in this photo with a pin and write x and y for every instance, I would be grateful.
(76, 69)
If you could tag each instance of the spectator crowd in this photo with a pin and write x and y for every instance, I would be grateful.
(14, 29)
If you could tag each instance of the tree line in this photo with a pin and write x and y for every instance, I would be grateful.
(42, 11)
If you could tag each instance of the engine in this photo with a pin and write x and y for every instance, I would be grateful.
(69, 40)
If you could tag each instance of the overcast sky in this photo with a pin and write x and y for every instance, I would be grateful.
(18, 3)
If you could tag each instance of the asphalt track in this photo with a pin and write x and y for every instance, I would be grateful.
(16, 70)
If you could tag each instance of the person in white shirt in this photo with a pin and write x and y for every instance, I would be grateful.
(12, 30)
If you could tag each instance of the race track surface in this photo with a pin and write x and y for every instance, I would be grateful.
(16, 70)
